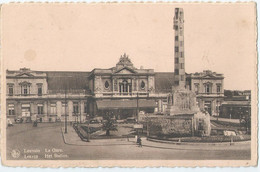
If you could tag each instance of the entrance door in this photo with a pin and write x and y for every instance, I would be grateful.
(207, 106)
(26, 110)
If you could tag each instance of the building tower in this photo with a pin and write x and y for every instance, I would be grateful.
(179, 61)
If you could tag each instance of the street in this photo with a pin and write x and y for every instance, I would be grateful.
(46, 142)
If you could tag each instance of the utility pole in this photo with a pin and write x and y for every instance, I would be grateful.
(79, 108)
(137, 106)
(66, 122)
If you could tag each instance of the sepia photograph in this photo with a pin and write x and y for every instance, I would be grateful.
(128, 84)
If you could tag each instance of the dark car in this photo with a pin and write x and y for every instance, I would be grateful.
(131, 120)
(93, 121)
(18, 120)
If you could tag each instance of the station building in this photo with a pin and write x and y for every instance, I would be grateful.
(122, 90)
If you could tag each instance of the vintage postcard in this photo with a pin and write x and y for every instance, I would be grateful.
(129, 84)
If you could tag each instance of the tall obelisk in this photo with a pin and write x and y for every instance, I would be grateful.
(181, 101)
(179, 60)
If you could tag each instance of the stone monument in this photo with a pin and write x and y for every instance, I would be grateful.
(182, 101)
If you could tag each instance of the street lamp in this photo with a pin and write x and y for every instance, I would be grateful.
(137, 105)
(66, 104)
(66, 122)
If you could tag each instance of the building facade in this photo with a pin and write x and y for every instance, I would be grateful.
(236, 105)
(209, 89)
(38, 95)
(122, 90)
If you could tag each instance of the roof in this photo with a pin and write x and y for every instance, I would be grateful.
(207, 74)
(126, 104)
(164, 81)
(58, 81)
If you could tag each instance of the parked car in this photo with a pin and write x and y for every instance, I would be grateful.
(131, 120)
(18, 120)
(93, 121)
(159, 113)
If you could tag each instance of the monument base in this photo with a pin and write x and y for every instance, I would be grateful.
(182, 101)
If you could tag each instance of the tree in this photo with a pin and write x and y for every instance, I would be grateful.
(109, 125)
(246, 122)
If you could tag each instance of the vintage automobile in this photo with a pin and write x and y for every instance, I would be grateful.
(18, 120)
(131, 120)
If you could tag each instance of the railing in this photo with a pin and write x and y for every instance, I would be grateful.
(26, 95)
(57, 95)
(69, 91)
(130, 94)
(209, 94)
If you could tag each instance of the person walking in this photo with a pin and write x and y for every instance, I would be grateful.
(139, 141)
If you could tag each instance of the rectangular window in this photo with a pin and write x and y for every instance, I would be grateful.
(176, 49)
(196, 88)
(218, 88)
(75, 108)
(176, 27)
(176, 71)
(11, 90)
(39, 91)
(11, 109)
(176, 38)
(182, 65)
(176, 60)
(25, 90)
(53, 109)
(181, 43)
(40, 108)
(207, 88)
(181, 54)
(85, 107)
(182, 77)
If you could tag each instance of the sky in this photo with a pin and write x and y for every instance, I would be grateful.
(81, 37)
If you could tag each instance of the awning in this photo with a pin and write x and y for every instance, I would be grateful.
(125, 104)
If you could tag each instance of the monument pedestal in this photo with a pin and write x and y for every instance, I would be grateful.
(182, 101)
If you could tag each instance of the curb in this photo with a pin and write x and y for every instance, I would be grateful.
(198, 143)
(64, 140)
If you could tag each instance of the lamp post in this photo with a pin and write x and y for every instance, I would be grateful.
(66, 122)
(137, 106)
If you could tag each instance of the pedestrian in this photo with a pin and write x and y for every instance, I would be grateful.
(139, 141)
(35, 123)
